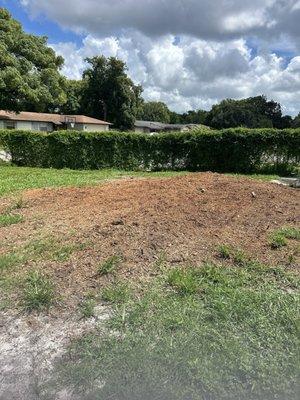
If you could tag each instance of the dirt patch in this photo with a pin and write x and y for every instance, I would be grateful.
(183, 218)
(29, 347)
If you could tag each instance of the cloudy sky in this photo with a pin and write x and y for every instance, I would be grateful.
(187, 53)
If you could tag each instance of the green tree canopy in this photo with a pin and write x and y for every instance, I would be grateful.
(108, 92)
(296, 121)
(156, 111)
(73, 90)
(29, 70)
(254, 112)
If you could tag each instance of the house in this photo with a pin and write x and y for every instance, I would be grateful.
(50, 122)
(153, 127)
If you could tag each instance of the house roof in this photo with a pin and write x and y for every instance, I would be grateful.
(161, 126)
(57, 119)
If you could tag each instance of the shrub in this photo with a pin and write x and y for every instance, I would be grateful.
(232, 150)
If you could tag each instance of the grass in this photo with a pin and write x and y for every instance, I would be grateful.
(10, 219)
(14, 179)
(116, 293)
(109, 266)
(237, 256)
(38, 292)
(197, 333)
(279, 238)
(87, 307)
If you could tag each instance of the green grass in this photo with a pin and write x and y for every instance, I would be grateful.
(14, 179)
(116, 293)
(260, 177)
(109, 266)
(38, 292)
(87, 307)
(279, 238)
(10, 219)
(211, 332)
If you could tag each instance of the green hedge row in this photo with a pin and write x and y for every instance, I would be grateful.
(231, 150)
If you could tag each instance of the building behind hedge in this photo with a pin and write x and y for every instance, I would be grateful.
(50, 122)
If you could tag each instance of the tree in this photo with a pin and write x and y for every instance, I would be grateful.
(254, 112)
(194, 117)
(29, 70)
(296, 121)
(109, 94)
(156, 111)
(73, 90)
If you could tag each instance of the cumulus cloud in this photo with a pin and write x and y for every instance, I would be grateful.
(188, 53)
(206, 19)
(193, 73)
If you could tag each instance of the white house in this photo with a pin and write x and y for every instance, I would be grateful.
(50, 122)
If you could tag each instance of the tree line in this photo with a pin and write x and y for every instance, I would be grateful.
(31, 80)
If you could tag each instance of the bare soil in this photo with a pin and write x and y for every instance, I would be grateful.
(182, 219)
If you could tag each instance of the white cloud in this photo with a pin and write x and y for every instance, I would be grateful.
(193, 73)
(206, 19)
(188, 53)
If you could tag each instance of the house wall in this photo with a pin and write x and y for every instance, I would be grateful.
(91, 127)
(24, 125)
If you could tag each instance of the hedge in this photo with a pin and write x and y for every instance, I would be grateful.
(232, 150)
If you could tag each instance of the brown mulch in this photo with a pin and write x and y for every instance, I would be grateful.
(182, 218)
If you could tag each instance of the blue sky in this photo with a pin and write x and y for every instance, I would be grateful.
(188, 53)
(41, 25)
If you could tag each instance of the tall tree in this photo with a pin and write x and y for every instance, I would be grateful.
(29, 70)
(296, 121)
(73, 90)
(154, 111)
(254, 112)
(109, 93)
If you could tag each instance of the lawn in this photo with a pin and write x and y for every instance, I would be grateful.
(207, 332)
(14, 179)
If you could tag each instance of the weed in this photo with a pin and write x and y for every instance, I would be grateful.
(239, 257)
(117, 293)
(278, 238)
(109, 266)
(183, 280)
(87, 307)
(10, 219)
(38, 291)
(160, 262)
(18, 204)
(224, 252)
(9, 260)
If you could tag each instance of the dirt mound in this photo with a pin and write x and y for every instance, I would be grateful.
(182, 219)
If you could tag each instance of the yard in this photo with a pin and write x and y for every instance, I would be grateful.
(118, 285)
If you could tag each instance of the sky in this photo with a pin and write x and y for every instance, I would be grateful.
(189, 54)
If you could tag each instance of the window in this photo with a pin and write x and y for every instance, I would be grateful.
(9, 125)
(43, 127)
(40, 126)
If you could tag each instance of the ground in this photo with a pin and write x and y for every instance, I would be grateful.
(85, 240)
